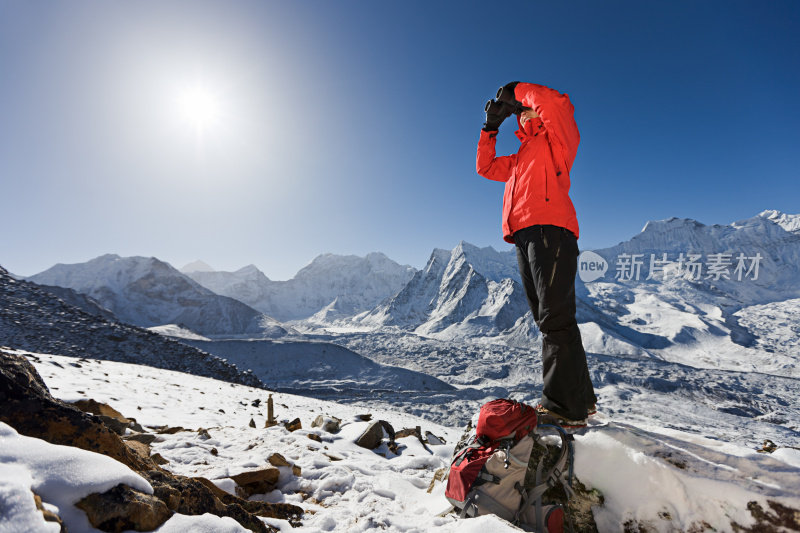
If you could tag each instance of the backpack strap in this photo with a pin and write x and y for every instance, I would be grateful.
(544, 482)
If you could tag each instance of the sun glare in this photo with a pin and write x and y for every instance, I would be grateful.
(199, 106)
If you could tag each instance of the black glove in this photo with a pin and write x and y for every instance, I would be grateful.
(505, 95)
(496, 113)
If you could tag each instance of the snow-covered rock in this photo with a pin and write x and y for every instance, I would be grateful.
(147, 292)
(60, 475)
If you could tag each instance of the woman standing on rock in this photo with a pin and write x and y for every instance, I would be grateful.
(539, 218)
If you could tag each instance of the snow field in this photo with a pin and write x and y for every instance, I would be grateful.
(666, 478)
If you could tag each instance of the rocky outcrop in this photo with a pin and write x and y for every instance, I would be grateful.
(331, 424)
(123, 508)
(27, 405)
(372, 437)
(260, 481)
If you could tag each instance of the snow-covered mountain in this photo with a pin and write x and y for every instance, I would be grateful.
(465, 292)
(345, 285)
(147, 292)
(34, 319)
(719, 313)
(684, 313)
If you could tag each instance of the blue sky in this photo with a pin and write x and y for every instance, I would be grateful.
(351, 127)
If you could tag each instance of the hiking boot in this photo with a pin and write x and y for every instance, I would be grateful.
(564, 422)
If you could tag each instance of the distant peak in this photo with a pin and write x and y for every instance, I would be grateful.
(108, 257)
(670, 223)
(790, 223)
(467, 247)
(197, 266)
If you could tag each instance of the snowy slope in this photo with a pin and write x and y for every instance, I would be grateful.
(318, 368)
(355, 283)
(652, 480)
(148, 292)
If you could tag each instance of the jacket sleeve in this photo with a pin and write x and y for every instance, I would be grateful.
(487, 164)
(557, 113)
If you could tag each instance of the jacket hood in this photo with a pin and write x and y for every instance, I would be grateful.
(531, 128)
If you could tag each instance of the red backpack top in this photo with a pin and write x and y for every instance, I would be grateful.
(503, 418)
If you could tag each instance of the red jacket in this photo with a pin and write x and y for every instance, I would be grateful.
(537, 176)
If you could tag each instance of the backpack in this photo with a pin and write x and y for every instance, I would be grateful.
(494, 469)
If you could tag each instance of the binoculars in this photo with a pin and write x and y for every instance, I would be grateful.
(504, 103)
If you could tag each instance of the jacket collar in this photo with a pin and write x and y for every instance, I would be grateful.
(532, 128)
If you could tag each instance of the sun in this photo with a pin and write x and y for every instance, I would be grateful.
(199, 106)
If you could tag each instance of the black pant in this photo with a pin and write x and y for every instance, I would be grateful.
(548, 262)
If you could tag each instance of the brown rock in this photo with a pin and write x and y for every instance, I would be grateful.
(114, 425)
(218, 492)
(277, 459)
(191, 497)
(294, 425)
(364, 418)
(259, 481)
(158, 459)
(331, 424)
(144, 438)
(123, 508)
(270, 414)
(409, 432)
(267, 510)
(170, 431)
(252, 423)
(27, 406)
(141, 449)
(49, 516)
(314, 436)
(110, 416)
(204, 434)
(373, 435)
(97, 408)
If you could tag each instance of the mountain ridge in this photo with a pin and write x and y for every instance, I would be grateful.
(149, 292)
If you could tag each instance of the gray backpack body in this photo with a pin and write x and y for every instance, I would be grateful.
(517, 474)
